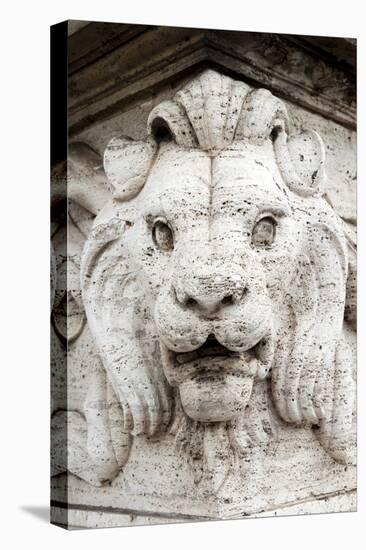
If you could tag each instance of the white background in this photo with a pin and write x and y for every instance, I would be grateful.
(24, 402)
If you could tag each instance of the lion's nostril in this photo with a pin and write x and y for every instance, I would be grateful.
(227, 300)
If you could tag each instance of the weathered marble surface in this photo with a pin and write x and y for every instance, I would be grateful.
(220, 223)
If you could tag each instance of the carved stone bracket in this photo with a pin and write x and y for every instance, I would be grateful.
(218, 285)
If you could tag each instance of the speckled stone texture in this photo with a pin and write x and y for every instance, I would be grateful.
(207, 298)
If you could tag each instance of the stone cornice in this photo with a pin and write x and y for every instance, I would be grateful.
(111, 65)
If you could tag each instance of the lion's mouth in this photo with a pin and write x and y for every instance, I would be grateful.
(211, 348)
(213, 358)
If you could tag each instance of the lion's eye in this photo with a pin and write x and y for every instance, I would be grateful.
(163, 236)
(264, 232)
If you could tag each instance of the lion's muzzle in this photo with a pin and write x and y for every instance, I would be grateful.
(214, 324)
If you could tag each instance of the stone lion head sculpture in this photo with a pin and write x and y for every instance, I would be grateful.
(218, 264)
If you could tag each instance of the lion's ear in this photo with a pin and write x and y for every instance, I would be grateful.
(301, 160)
(127, 163)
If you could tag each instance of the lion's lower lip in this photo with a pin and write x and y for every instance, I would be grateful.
(215, 368)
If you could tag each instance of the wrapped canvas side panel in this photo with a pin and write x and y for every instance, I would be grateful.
(58, 255)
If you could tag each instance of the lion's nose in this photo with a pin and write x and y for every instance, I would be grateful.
(210, 294)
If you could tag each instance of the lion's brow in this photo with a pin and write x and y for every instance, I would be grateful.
(262, 203)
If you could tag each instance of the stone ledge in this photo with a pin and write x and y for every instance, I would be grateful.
(89, 517)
